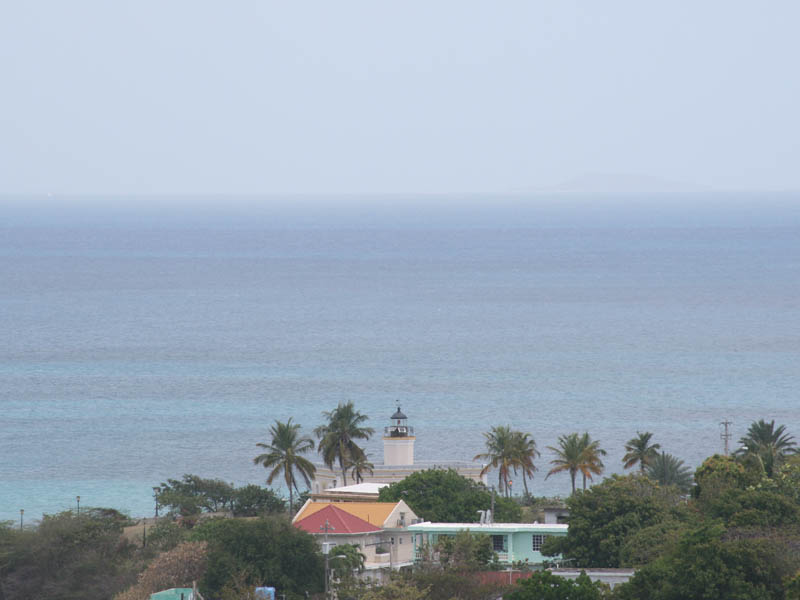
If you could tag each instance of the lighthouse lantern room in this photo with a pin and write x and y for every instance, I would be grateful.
(398, 441)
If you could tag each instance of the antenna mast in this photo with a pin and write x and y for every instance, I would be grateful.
(725, 435)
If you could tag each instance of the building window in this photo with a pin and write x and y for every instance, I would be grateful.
(538, 540)
(499, 543)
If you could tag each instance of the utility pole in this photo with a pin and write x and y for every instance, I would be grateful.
(326, 550)
(725, 435)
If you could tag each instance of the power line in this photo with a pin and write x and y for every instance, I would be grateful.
(726, 435)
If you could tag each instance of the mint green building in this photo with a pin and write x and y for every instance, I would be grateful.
(512, 541)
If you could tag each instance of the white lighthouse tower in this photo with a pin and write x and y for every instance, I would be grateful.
(398, 441)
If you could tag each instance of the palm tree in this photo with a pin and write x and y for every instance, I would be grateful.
(525, 452)
(577, 453)
(351, 560)
(336, 438)
(359, 466)
(568, 456)
(591, 464)
(283, 454)
(499, 454)
(640, 450)
(666, 469)
(767, 445)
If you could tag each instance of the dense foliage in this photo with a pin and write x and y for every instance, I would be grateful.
(465, 551)
(179, 567)
(264, 551)
(69, 556)
(604, 516)
(707, 564)
(546, 586)
(738, 537)
(192, 495)
(666, 469)
(444, 496)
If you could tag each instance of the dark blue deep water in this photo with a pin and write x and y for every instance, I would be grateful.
(144, 339)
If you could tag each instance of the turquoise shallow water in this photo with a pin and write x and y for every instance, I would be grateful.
(141, 344)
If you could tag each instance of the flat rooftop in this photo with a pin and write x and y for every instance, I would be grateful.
(491, 527)
(358, 488)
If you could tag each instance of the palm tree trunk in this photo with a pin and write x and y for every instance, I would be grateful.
(572, 474)
(344, 471)
(584, 481)
(289, 480)
(525, 483)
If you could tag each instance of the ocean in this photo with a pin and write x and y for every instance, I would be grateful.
(145, 338)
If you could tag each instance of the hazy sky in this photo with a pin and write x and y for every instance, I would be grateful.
(175, 96)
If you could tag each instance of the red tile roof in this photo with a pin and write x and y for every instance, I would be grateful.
(339, 520)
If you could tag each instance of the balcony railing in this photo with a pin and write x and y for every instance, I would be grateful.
(398, 431)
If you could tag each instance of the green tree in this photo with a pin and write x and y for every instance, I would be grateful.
(706, 564)
(766, 445)
(720, 473)
(666, 469)
(785, 480)
(645, 545)
(253, 500)
(445, 496)
(543, 585)
(603, 517)
(640, 451)
(349, 560)
(396, 589)
(284, 455)
(68, 556)
(452, 584)
(192, 494)
(466, 551)
(337, 437)
(265, 551)
(577, 454)
(753, 508)
(792, 587)
(346, 566)
(165, 535)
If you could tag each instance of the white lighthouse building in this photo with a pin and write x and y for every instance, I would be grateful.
(398, 460)
(398, 441)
